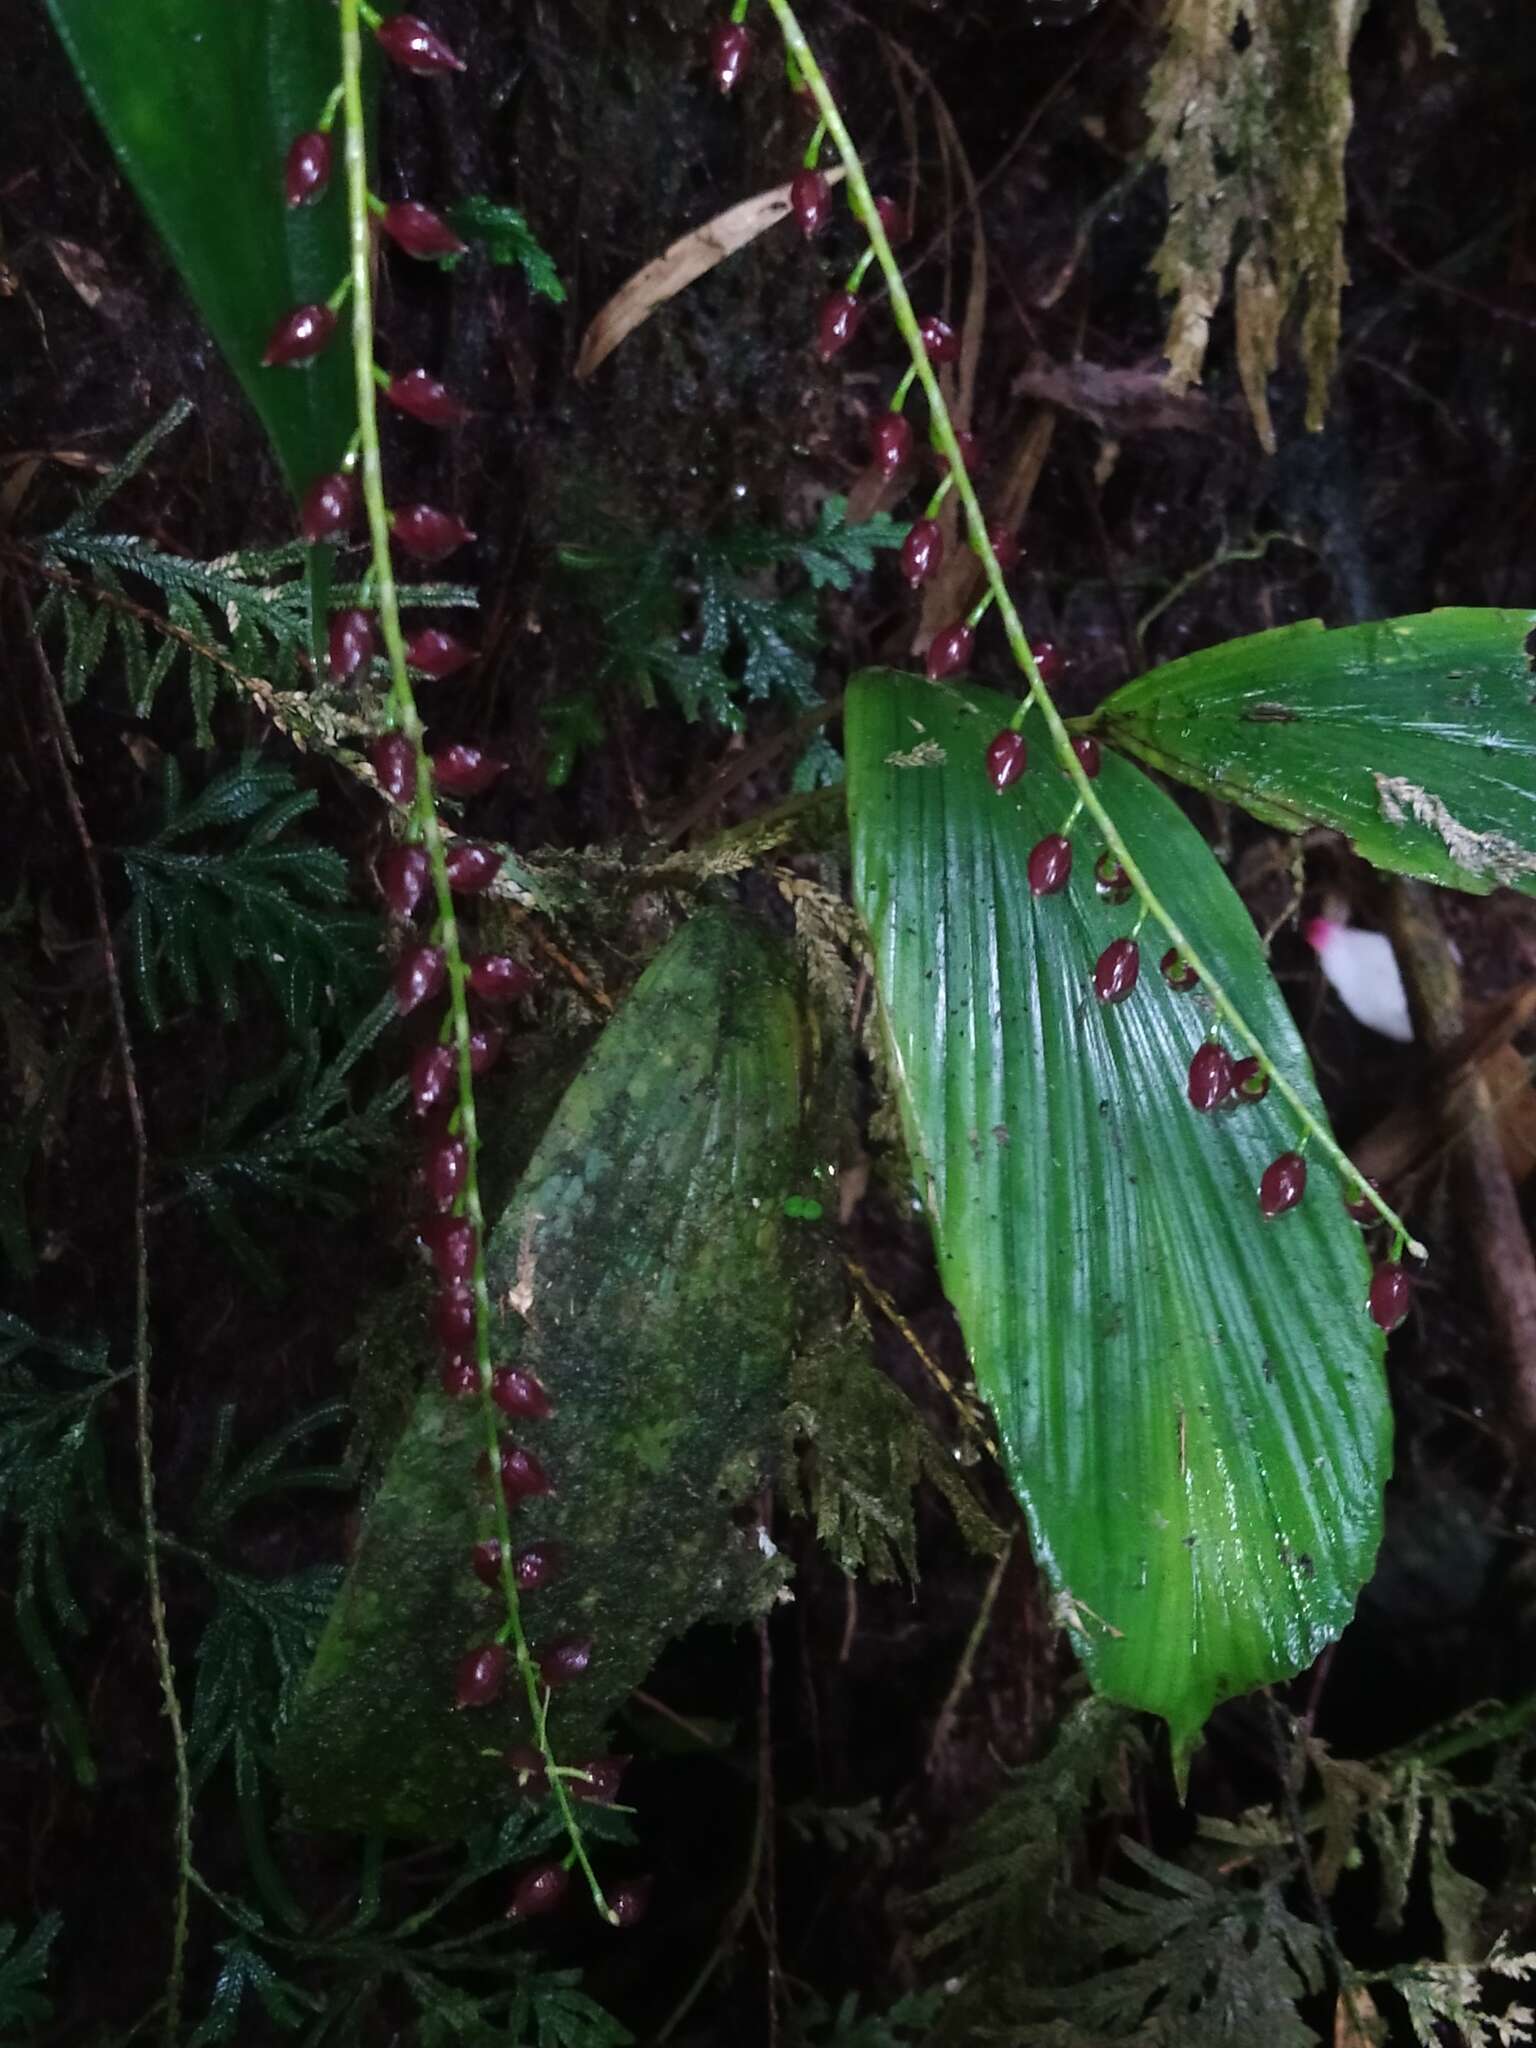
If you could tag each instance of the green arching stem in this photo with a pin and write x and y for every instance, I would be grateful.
(946, 442)
(424, 817)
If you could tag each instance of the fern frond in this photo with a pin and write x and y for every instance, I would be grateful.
(23, 1971)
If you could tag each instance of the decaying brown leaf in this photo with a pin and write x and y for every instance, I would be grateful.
(678, 266)
(1356, 2021)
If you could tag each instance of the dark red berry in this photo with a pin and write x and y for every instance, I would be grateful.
(837, 324)
(485, 1563)
(522, 1476)
(810, 201)
(1356, 1205)
(433, 1068)
(1110, 879)
(459, 1378)
(922, 551)
(471, 868)
(1049, 661)
(485, 1043)
(406, 40)
(419, 231)
(1210, 1076)
(890, 443)
(1249, 1080)
(894, 221)
(1050, 865)
(451, 1241)
(444, 1168)
(1177, 972)
(940, 340)
(730, 51)
(298, 337)
(950, 650)
(1284, 1184)
(1004, 545)
(629, 1901)
(480, 1676)
(426, 533)
(603, 1777)
(1007, 758)
(527, 1765)
(307, 168)
(351, 642)
(1390, 1295)
(438, 654)
(535, 1565)
(497, 978)
(330, 507)
(1116, 970)
(539, 1890)
(404, 873)
(564, 1659)
(520, 1393)
(419, 976)
(1089, 758)
(972, 451)
(454, 1314)
(394, 762)
(425, 399)
(465, 771)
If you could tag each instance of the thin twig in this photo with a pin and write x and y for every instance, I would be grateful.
(960, 1684)
(143, 1440)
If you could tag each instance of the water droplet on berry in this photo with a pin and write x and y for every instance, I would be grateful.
(535, 1566)
(890, 443)
(407, 41)
(539, 1890)
(950, 650)
(1049, 660)
(485, 1043)
(522, 1476)
(480, 1675)
(1110, 879)
(730, 52)
(1283, 1185)
(629, 1901)
(433, 1068)
(459, 1377)
(810, 200)
(1050, 865)
(419, 231)
(404, 873)
(564, 1659)
(351, 643)
(1390, 1296)
(520, 1393)
(444, 1167)
(438, 654)
(471, 868)
(307, 168)
(1177, 972)
(329, 509)
(454, 1314)
(419, 976)
(298, 337)
(1116, 971)
(1007, 758)
(451, 1241)
(393, 759)
(939, 339)
(1210, 1076)
(427, 533)
(922, 551)
(465, 771)
(425, 399)
(497, 978)
(838, 322)
(1089, 758)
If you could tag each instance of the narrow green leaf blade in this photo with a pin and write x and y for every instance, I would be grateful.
(1190, 1400)
(1416, 737)
(200, 104)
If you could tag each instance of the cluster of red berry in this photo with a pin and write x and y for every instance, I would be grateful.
(330, 512)
(1216, 1080)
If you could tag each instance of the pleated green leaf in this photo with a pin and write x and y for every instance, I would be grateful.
(200, 100)
(1415, 737)
(1190, 1400)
